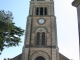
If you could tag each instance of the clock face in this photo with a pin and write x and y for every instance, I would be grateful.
(41, 21)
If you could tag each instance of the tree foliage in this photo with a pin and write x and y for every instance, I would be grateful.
(9, 33)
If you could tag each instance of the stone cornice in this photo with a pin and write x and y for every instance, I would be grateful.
(28, 46)
(41, 16)
(41, 2)
(76, 3)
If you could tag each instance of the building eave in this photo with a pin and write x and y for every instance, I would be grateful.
(76, 3)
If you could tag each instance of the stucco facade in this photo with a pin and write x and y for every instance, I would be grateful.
(78, 11)
(76, 3)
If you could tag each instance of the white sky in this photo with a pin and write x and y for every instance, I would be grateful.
(67, 29)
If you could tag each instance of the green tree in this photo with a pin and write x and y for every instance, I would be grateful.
(9, 33)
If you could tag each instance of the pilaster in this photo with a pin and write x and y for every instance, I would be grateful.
(54, 32)
(25, 54)
(31, 9)
(52, 9)
(28, 31)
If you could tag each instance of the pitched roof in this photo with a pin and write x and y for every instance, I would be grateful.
(61, 57)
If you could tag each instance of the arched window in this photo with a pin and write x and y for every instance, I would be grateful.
(38, 38)
(40, 0)
(43, 38)
(40, 58)
(40, 34)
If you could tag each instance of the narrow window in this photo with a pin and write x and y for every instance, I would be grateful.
(41, 11)
(38, 38)
(45, 11)
(37, 11)
(43, 38)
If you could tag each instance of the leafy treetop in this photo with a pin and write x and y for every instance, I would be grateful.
(9, 33)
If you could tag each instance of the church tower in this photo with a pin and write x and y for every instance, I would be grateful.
(41, 34)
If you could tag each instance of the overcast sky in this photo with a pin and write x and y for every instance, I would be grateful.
(67, 26)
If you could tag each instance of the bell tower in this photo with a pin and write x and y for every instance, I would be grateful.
(41, 34)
